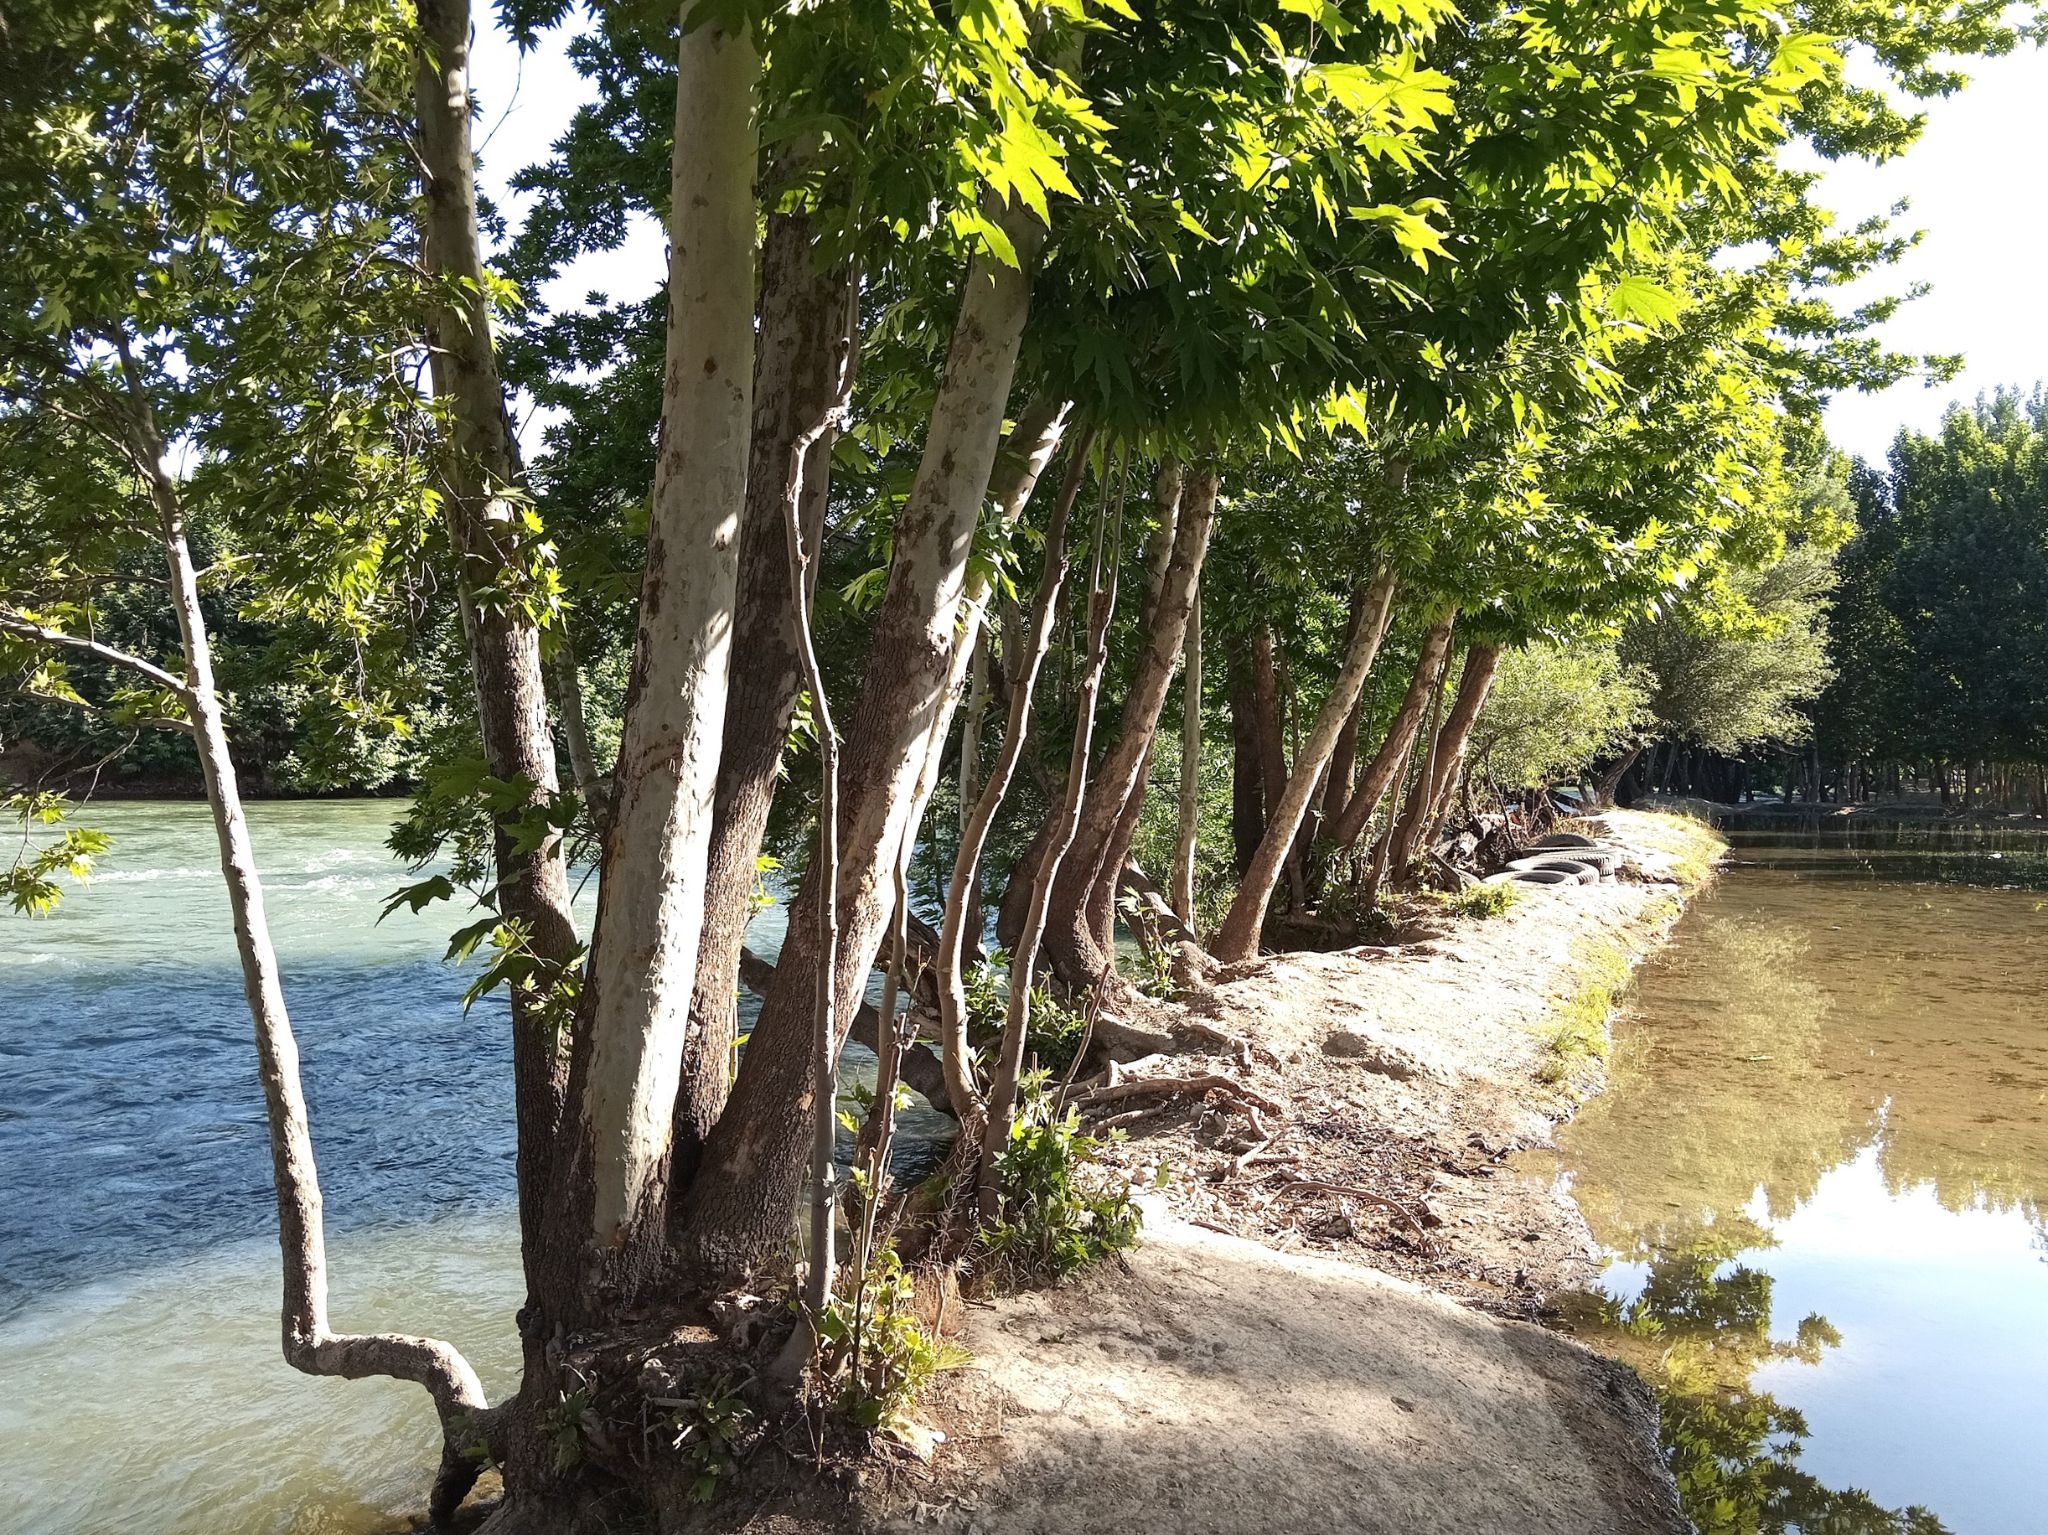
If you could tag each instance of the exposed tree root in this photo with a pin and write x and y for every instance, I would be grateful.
(1200, 1082)
(1290, 1183)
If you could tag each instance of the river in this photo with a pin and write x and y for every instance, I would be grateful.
(1819, 1171)
(141, 1386)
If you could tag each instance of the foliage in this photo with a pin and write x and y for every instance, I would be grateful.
(1059, 1211)
(30, 882)
(874, 1350)
(710, 1431)
(1575, 1036)
(1554, 710)
(1479, 902)
(1940, 643)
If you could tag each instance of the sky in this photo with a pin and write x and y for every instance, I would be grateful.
(1973, 183)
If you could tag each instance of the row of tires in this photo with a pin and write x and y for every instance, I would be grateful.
(1564, 858)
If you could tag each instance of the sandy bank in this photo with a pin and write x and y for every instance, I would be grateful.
(1253, 1368)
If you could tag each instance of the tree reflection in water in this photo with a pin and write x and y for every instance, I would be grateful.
(1697, 1331)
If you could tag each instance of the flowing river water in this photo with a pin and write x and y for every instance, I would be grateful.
(141, 1386)
(1819, 1170)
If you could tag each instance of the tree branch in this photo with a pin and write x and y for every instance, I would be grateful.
(14, 623)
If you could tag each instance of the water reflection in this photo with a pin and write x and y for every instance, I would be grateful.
(1820, 1170)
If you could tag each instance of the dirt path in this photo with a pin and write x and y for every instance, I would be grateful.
(1247, 1372)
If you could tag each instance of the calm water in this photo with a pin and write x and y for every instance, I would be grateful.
(1820, 1170)
(141, 1387)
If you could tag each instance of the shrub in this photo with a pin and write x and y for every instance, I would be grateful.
(1060, 1211)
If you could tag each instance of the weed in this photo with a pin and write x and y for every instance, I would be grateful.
(874, 1349)
(1479, 901)
(709, 1431)
(563, 1424)
(1059, 1211)
(1576, 1036)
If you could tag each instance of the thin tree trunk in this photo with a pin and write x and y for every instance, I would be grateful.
(1238, 937)
(1100, 908)
(1071, 945)
(962, 905)
(802, 356)
(1344, 755)
(1002, 1099)
(590, 779)
(629, 1048)
(1384, 770)
(1447, 753)
(970, 727)
(479, 474)
(1189, 827)
(737, 1212)
(310, 1343)
(1247, 780)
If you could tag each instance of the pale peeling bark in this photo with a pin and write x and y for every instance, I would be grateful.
(1071, 944)
(651, 900)
(479, 476)
(1385, 768)
(962, 905)
(1002, 1097)
(310, 1343)
(738, 1208)
(1238, 937)
(1190, 819)
(590, 778)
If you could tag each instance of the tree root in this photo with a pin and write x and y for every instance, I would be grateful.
(1201, 1082)
(1292, 1184)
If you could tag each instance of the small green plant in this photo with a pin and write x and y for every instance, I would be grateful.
(1155, 979)
(1055, 1031)
(709, 1432)
(986, 986)
(1479, 901)
(873, 1348)
(1060, 1212)
(563, 1424)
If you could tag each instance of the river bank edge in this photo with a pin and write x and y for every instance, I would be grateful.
(1330, 1322)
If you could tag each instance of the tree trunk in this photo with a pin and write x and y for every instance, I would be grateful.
(1344, 755)
(1002, 1098)
(1071, 946)
(1247, 780)
(1385, 768)
(737, 1213)
(962, 905)
(1610, 781)
(310, 1344)
(589, 777)
(970, 727)
(801, 355)
(629, 1047)
(479, 474)
(1447, 754)
(1238, 937)
(1190, 821)
(1100, 909)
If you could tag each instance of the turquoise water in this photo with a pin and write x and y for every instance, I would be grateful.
(143, 1390)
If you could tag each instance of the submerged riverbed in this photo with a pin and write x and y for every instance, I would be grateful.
(141, 1385)
(1819, 1167)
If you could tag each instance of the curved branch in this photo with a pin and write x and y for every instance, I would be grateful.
(22, 627)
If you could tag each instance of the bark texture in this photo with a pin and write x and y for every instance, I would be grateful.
(1238, 937)
(803, 347)
(1184, 844)
(629, 1048)
(1072, 945)
(479, 473)
(1247, 780)
(738, 1209)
